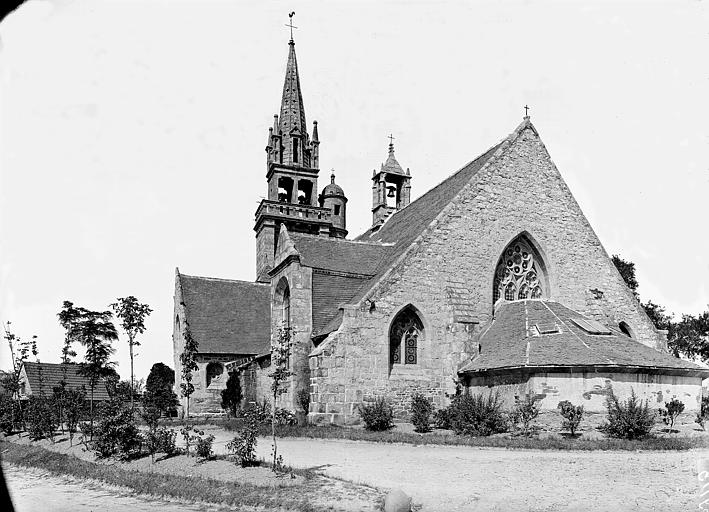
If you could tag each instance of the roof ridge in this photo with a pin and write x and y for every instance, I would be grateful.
(224, 280)
(342, 240)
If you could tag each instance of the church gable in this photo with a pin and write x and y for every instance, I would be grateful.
(516, 193)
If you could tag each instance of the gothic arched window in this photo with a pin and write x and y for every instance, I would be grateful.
(519, 273)
(286, 307)
(404, 334)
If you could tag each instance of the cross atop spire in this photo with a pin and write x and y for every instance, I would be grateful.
(290, 24)
(391, 143)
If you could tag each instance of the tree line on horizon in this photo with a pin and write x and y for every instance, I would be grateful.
(688, 336)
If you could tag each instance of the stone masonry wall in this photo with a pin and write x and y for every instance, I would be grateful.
(299, 281)
(518, 191)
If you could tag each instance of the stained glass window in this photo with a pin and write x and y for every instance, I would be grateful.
(517, 275)
(403, 337)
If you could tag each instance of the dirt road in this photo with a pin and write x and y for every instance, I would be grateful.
(458, 478)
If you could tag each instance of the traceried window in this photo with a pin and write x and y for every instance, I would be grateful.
(404, 335)
(518, 274)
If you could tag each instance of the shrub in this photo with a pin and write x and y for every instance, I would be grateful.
(204, 446)
(670, 412)
(303, 399)
(377, 416)
(115, 433)
(162, 440)
(478, 415)
(10, 414)
(703, 413)
(630, 419)
(285, 417)
(40, 417)
(525, 412)
(259, 412)
(572, 415)
(232, 395)
(442, 418)
(244, 444)
(421, 410)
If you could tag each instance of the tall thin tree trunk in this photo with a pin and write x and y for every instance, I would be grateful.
(273, 430)
(91, 412)
(130, 343)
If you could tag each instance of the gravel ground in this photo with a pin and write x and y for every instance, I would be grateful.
(461, 478)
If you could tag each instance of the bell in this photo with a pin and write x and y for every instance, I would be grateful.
(392, 191)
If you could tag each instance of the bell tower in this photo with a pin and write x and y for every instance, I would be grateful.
(391, 188)
(292, 167)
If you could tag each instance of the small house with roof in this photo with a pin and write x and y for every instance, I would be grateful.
(42, 378)
(493, 279)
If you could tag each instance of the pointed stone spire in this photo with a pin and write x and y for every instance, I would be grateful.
(315, 132)
(292, 110)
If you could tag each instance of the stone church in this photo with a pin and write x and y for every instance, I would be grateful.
(493, 279)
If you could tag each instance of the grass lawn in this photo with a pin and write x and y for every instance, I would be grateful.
(304, 495)
(437, 437)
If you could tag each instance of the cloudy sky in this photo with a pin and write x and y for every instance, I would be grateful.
(133, 132)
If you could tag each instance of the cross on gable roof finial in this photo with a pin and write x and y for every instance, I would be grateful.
(526, 111)
(290, 24)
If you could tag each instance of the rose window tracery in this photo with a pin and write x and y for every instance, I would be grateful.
(517, 275)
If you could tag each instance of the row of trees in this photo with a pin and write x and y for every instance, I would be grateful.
(688, 336)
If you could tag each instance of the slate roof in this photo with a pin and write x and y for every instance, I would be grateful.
(339, 255)
(53, 373)
(511, 340)
(227, 316)
(329, 291)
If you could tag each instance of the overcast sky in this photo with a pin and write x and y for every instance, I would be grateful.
(133, 133)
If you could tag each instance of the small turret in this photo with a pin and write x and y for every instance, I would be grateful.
(333, 198)
(391, 189)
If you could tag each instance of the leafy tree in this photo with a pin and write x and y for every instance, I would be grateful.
(161, 376)
(12, 383)
(188, 360)
(158, 388)
(627, 272)
(95, 331)
(690, 336)
(658, 315)
(131, 314)
(280, 361)
(231, 396)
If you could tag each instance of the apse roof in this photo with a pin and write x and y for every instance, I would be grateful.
(544, 334)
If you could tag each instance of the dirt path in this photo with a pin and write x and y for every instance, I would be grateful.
(459, 478)
(32, 490)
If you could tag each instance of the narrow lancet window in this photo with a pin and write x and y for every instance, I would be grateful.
(404, 335)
